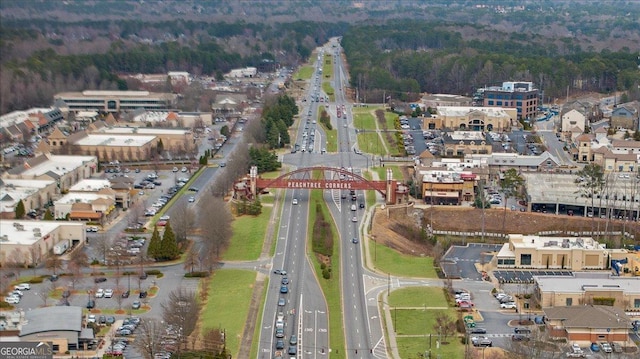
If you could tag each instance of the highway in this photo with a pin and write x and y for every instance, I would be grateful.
(305, 309)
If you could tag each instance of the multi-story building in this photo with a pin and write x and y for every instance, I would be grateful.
(116, 101)
(446, 187)
(522, 96)
(625, 116)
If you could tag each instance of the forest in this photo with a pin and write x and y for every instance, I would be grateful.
(398, 48)
(404, 58)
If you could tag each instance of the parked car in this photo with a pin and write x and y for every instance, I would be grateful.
(595, 348)
(23, 286)
(143, 294)
(99, 279)
(108, 293)
(12, 300)
(99, 293)
(509, 305)
(91, 304)
(478, 330)
(53, 277)
(91, 318)
(136, 304)
(520, 338)
(125, 294)
(606, 347)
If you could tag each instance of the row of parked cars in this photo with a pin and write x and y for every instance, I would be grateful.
(506, 301)
(14, 296)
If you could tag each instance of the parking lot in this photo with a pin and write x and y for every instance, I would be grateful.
(459, 261)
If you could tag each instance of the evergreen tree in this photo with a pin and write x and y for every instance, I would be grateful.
(48, 215)
(154, 244)
(169, 245)
(20, 212)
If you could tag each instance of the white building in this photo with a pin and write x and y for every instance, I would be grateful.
(573, 120)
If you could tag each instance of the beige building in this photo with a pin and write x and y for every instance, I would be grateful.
(34, 194)
(124, 144)
(461, 143)
(467, 118)
(94, 206)
(29, 242)
(573, 120)
(525, 251)
(445, 187)
(116, 101)
(589, 288)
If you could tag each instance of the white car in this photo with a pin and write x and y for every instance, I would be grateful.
(12, 300)
(91, 318)
(108, 293)
(295, 201)
(354, 219)
(509, 305)
(192, 199)
(23, 286)
(100, 293)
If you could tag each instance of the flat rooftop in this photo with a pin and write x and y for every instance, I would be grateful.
(115, 140)
(143, 131)
(79, 197)
(58, 164)
(582, 281)
(537, 242)
(458, 111)
(114, 94)
(561, 188)
(467, 135)
(90, 185)
(22, 232)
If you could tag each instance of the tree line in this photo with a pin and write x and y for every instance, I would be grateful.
(408, 57)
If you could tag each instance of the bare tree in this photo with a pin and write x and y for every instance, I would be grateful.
(535, 346)
(54, 262)
(76, 273)
(34, 258)
(192, 259)
(444, 325)
(149, 337)
(135, 211)
(182, 221)
(118, 295)
(215, 224)
(181, 311)
(16, 260)
(45, 292)
(102, 245)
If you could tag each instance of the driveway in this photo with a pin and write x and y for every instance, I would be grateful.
(459, 261)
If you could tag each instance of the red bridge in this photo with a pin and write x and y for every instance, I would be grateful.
(327, 178)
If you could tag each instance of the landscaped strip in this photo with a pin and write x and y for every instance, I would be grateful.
(331, 287)
(304, 73)
(331, 135)
(227, 307)
(255, 344)
(248, 236)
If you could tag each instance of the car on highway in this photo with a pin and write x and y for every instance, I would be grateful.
(354, 240)
(294, 201)
(280, 271)
(284, 289)
(280, 344)
(282, 302)
(354, 219)
(285, 281)
(293, 340)
(279, 333)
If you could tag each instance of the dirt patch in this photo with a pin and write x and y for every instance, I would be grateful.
(496, 220)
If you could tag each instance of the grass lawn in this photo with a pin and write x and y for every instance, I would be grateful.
(417, 321)
(269, 175)
(248, 236)
(369, 142)
(418, 297)
(390, 118)
(382, 172)
(327, 67)
(331, 287)
(267, 198)
(304, 73)
(364, 121)
(228, 308)
(389, 261)
(408, 347)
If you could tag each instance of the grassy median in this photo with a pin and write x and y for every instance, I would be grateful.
(330, 287)
(248, 236)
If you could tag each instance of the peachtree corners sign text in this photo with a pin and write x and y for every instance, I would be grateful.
(26, 350)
